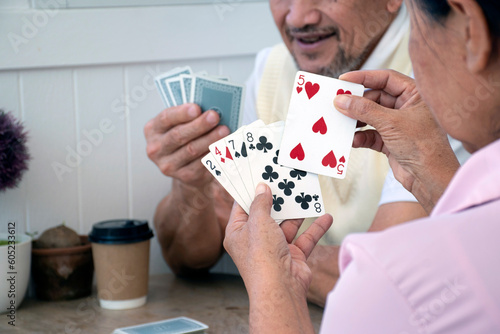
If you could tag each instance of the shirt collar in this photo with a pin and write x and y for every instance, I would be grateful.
(475, 183)
(389, 42)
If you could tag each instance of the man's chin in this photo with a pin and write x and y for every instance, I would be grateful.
(311, 66)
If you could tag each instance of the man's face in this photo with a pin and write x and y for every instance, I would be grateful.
(330, 37)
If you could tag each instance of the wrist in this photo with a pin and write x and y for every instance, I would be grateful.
(278, 308)
(432, 181)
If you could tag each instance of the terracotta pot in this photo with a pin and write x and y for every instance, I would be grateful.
(63, 273)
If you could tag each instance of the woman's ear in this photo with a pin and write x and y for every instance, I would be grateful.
(476, 32)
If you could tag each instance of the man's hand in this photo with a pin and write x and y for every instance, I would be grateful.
(191, 219)
(405, 130)
(177, 139)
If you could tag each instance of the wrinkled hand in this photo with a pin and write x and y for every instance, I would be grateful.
(177, 139)
(405, 129)
(266, 252)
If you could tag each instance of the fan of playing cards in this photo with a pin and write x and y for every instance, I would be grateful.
(180, 85)
(287, 156)
(316, 140)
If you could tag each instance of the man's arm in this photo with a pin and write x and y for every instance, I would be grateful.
(190, 221)
(324, 259)
(190, 225)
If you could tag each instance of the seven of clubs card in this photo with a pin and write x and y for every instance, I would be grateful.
(317, 138)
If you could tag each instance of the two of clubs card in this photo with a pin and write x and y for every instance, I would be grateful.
(317, 137)
(180, 85)
(249, 156)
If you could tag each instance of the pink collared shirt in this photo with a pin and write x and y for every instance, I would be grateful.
(435, 275)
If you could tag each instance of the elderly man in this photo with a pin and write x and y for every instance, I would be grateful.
(324, 37)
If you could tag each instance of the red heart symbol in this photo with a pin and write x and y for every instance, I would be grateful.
(342, 160)
(299, 89)
(329, 160)
(298, 153)
(341, 91)
(320, 126)
(311, 89)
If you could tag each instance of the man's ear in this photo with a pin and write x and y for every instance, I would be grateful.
(394, 5)
(477, 35)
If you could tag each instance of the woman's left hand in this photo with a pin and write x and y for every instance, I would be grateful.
(265, 252)
(273, 264)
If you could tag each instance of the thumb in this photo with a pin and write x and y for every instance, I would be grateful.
(261, 206)
(361, 109)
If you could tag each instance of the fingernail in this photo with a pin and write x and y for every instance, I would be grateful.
(261, 188)
(212, 117)
(342, 102)
(224, 131)
(192, 112)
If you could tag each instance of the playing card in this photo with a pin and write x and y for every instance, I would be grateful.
(161, 83)
(223, 97)
(225, 159)
(210, 162)
(174, 88)
(186, 87)
(296, 193)
(317, 138)
(180, 325)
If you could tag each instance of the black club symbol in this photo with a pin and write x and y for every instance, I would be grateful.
(275, 159)
(264, 145)
(277, 203)
(316, 197)
(303, 200)
(286, 186)
(251, 147)
(270, 174)
(298, 173)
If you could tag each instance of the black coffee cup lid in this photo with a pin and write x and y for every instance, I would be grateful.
(120, 231)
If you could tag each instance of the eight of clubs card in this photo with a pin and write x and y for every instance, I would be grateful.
(318, 138)
(296, 193)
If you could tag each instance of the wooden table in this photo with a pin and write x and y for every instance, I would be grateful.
(220, 301)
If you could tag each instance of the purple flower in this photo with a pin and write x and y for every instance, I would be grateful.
(14, 154)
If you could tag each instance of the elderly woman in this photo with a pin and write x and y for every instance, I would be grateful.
(435, 275)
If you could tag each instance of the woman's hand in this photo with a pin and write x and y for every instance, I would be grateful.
(418, 149)
(272, 264)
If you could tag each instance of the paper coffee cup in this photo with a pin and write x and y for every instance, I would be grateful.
(120, 249)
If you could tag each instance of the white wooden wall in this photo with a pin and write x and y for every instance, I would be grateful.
(84, 71)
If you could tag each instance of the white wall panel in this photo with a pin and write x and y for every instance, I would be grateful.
(49, 111)
(103, 173)
(43, 38)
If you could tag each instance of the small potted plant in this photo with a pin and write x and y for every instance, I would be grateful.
(62, 266)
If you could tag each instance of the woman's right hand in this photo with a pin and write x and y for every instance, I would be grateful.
(418, 149)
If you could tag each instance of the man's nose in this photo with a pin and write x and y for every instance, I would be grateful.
(302, 13)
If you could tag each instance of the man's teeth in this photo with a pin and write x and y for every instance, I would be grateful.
(310, 39)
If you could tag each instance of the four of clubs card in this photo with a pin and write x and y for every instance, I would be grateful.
(317, 137)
